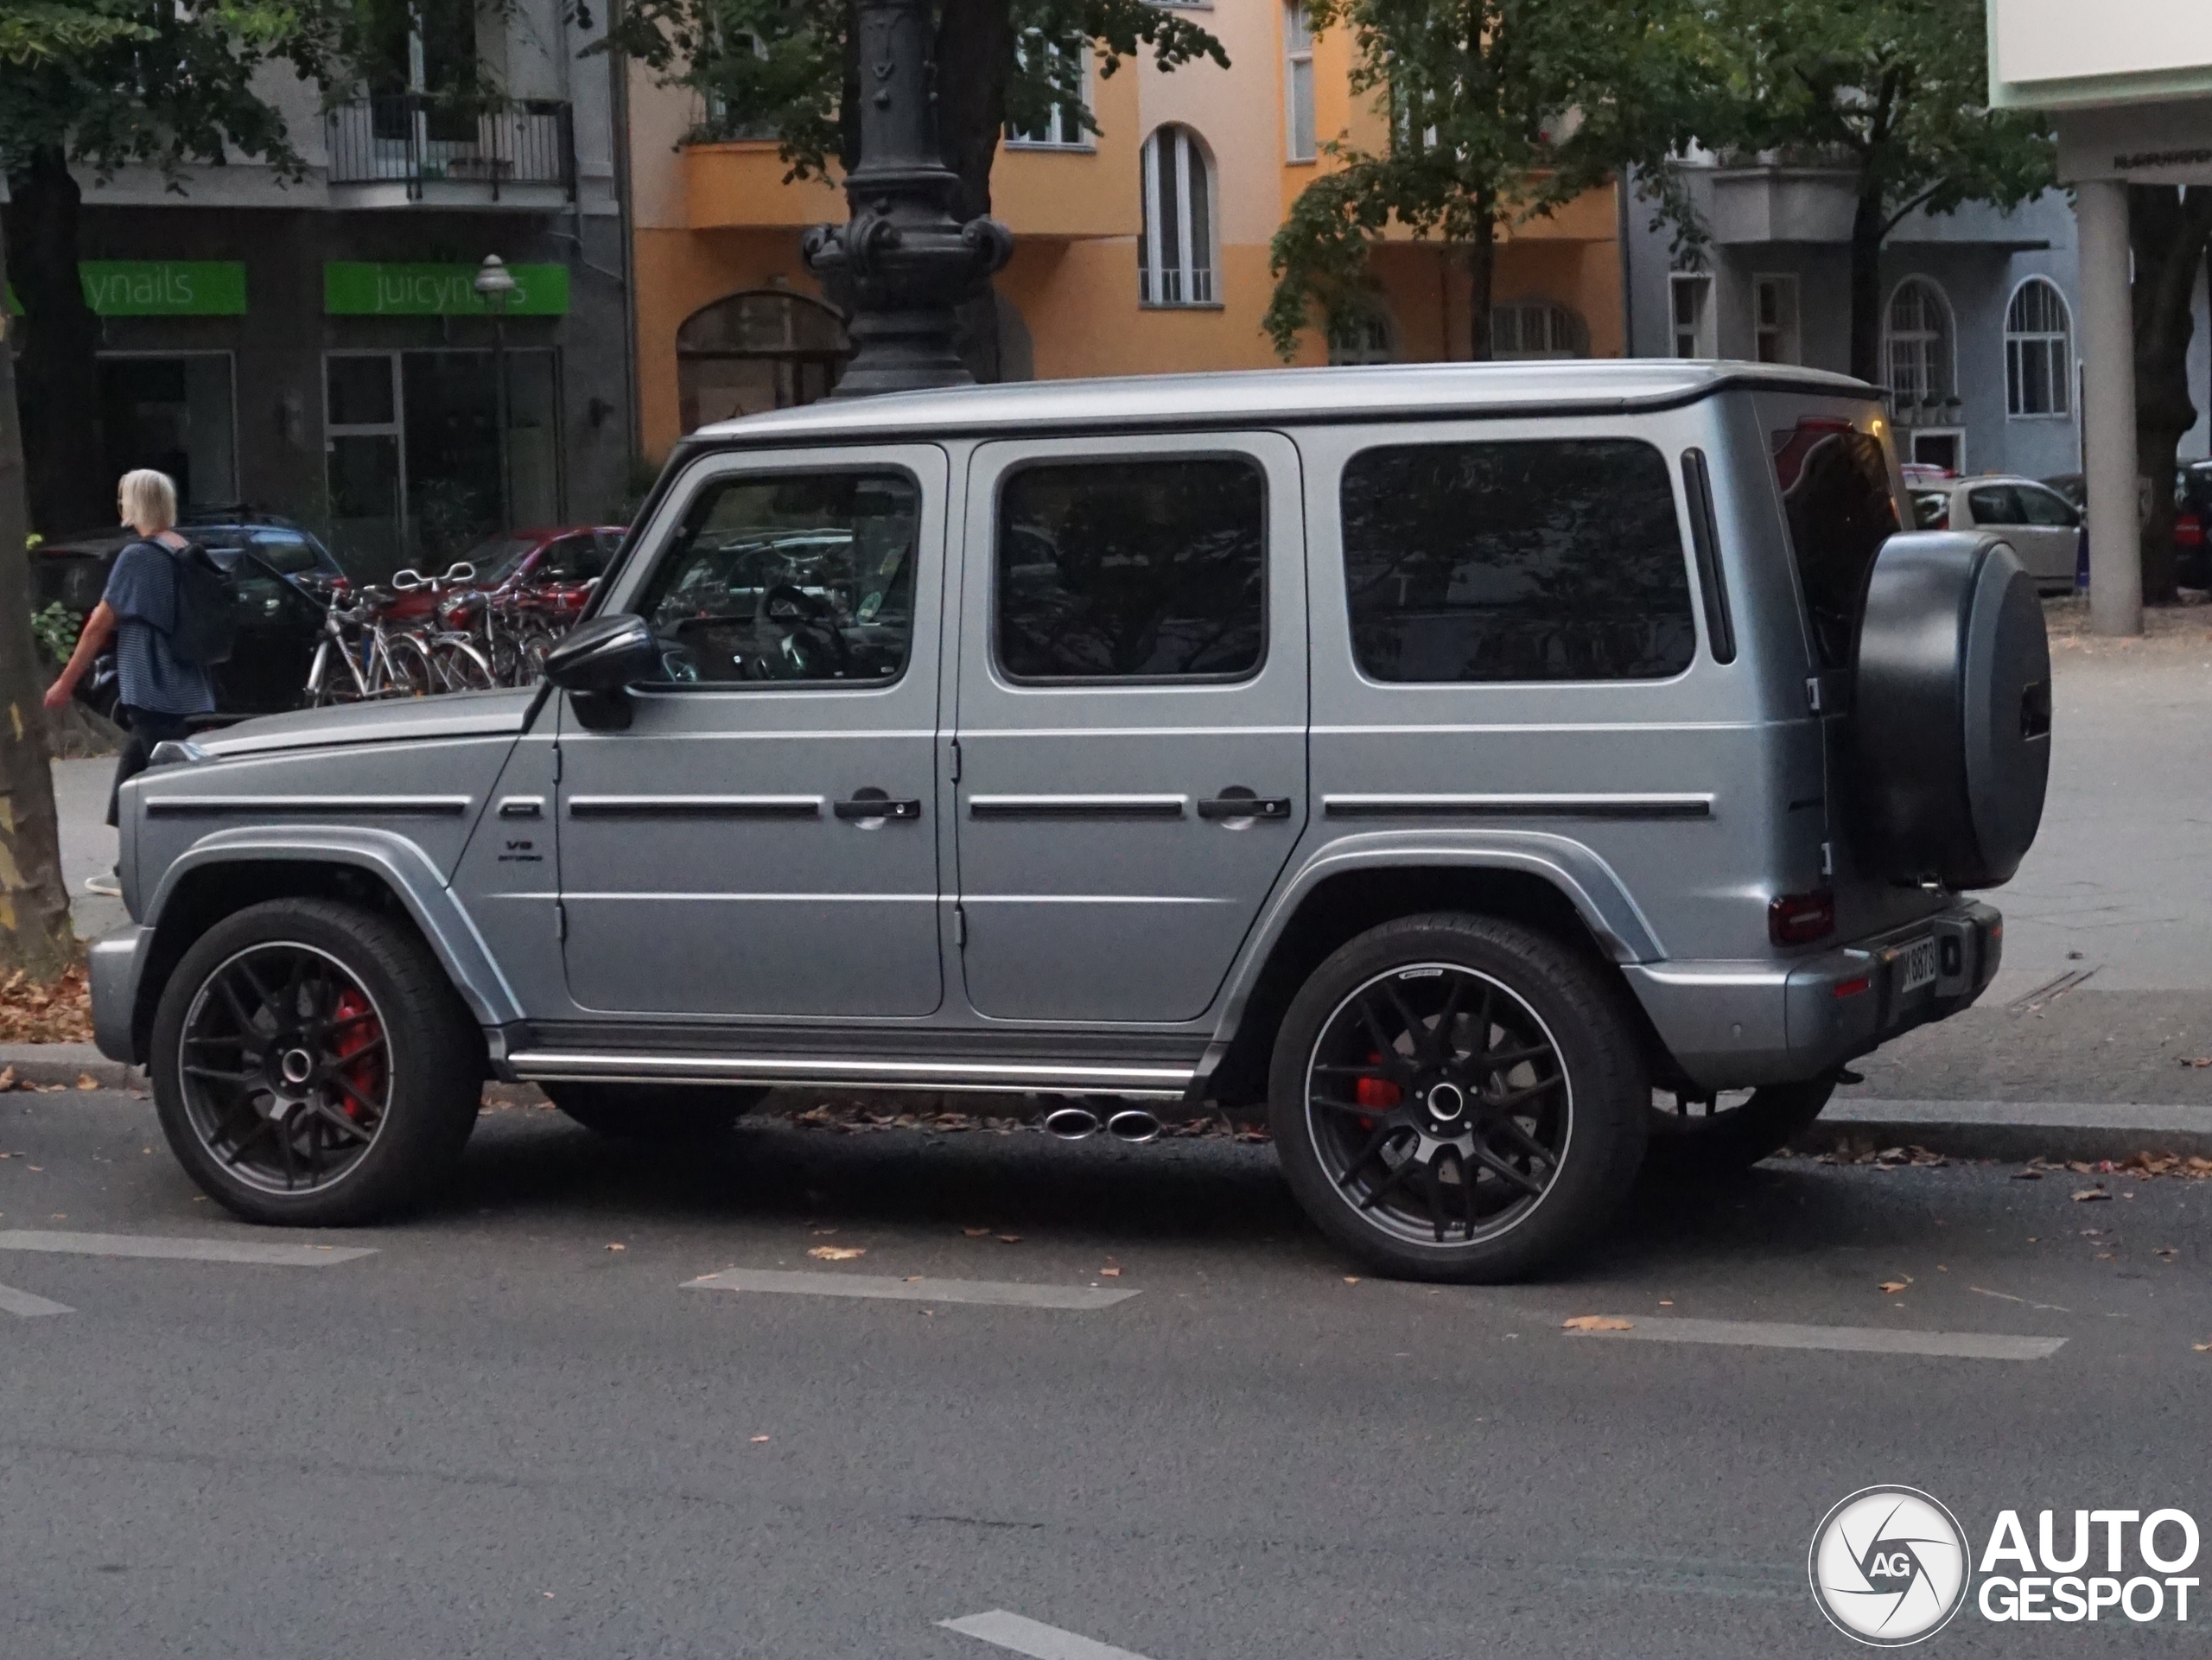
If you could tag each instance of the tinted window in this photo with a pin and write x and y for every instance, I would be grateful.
(1835, 493)
(1132, 569)
(2040, 506)
(288, 551)
(1996, 504)
(1552, 561)
(795, 577)
(572, 559)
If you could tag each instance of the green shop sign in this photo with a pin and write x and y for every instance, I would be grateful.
(353, 288)
(158, 288)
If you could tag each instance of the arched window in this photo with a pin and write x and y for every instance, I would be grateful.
(2038, 350)
(1536, 328)
(1923, 365)
(762, 349)
(1367, 338)
(1175, 261)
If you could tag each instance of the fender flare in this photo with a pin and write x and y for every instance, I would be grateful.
(399, 864)
(1585, 879)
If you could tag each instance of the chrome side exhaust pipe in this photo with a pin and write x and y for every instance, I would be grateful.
(1071, 1124)
(1134, 1125)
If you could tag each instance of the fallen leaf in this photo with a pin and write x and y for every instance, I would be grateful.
(2027, 1176)
(1895, 1285)
(1596, 1323)
(2201, 1348)
(2084, 1195)
(913, 1279)
(757, 1440)
(1110, 1273)
(1666, 1302)
(1009, 1239)
(974, 1233)
(838, 1253)
(1351, 1279)
(7, 1077)
(86, 1081)
(618, 1248)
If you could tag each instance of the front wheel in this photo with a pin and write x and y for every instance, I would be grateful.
(312, 1065)
(1458, 1098)
(654, 1112)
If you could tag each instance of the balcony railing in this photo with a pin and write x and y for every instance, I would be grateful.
(415, 138)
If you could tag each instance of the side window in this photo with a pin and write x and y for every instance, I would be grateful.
(1559, 560)
(286, 551)
(1138, 571)
(1836, 494)
(572, 559)
(1996, 504)
(805, 576)
(2040, 506)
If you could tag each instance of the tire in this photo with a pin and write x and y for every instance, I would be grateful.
(1729, 1138)
(654, 1112)
(375, 1025)
(1555, 1087)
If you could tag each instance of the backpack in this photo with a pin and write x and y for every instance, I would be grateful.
(207, 607)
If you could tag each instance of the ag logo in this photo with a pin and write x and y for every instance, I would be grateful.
(1889, 1566)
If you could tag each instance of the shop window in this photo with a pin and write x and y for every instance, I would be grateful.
(761, 349)
(1175, 254)
(177, 415)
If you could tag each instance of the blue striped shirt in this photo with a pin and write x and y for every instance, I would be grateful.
(142, 592)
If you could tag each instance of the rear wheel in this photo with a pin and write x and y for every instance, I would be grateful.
(1458, 1098)
(654, 1112)
(1730, 1129)
(312, 1065)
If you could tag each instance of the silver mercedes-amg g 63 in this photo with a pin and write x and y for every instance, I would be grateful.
(1499, 775)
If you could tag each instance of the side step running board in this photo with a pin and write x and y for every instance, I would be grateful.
(839, 1072)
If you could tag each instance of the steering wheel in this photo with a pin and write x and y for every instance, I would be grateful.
(806, 617)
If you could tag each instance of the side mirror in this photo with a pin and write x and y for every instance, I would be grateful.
(594, 663)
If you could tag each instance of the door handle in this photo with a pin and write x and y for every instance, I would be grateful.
(876, 806)
(1245, 806)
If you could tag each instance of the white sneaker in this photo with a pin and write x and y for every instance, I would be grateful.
(107, 884)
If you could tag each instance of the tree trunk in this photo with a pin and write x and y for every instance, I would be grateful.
(1482, 278)
(2167, 229)
(1866, 231)
(70, 489)
(35, 932)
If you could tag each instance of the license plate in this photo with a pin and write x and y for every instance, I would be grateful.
(1916, 968)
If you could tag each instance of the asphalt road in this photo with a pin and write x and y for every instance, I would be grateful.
(497, 1436)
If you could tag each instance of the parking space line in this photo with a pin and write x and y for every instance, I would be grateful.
(1001, 1292)
(13, 1301)
(1861, 1339)
(1034, 1638)
(189, 1250)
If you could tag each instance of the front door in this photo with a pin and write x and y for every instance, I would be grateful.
(761, 840)
(1131, 726)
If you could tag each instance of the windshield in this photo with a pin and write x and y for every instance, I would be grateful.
(497, 557)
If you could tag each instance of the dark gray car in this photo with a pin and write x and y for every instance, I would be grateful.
(1491, 774)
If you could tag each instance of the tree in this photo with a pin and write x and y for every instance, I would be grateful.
(115, 83)
(1894, 91)
(786, 68)
(2167, 228)
(1500, 111)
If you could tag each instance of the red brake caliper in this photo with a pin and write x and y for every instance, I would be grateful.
(1379, 1093)
(365, 1074)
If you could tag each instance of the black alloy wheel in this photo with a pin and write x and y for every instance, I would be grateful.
(1458, 1098)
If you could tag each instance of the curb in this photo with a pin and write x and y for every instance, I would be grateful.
(65, 1063)
(2015, 1130)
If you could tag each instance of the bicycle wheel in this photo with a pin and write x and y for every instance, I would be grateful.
(461, 666)
(404, 669)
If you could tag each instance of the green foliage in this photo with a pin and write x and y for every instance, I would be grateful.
(776, 68)
(55, 629)
(34, 31)
(1896, 89)
(1502, 111)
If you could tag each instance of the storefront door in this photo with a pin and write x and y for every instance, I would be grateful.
(364, 448)
(174, 412)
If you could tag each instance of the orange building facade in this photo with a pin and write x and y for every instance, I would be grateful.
(1140, 249)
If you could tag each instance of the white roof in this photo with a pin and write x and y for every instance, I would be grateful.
(1261, 396)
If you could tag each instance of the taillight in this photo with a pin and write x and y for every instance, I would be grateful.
(1801, 919)
(2189, 532)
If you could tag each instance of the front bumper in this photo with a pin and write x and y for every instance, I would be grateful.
(114, 967)
(1738, 1025)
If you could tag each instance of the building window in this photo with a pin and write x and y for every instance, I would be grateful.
(1298, 81)
(759, 349)
(1367, 338)
(1175, 261)
(1536, 329)
(1056, 126)
(1691, 300)
(1923, 366)
(1773, 320)
(2038, 350)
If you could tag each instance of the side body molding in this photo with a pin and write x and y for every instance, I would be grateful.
(395, 860)
(1587, 882)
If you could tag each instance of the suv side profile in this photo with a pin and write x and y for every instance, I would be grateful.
(1497, 774)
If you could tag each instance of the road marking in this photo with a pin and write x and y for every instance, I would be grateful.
(1029, 1637)
(190, 1251)
(22, 1303)
(1004, 1293)
(1863, 1339)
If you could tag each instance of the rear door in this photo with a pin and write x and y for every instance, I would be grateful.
(2042, 535)
(1131, 719)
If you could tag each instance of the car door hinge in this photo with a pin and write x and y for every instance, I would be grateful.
(1827, 858)
(959, 927)
(556, 763)
(561, 920)
(956, 761)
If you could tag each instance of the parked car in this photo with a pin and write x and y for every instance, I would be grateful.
(2192, 517)
(1492, 772)
(2039, 523)
(283, 574)
(560, 560)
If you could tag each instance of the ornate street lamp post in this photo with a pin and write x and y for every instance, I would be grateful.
(495, 285)
(902, 256)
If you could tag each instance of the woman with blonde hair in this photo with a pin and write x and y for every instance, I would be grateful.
(158, 691)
